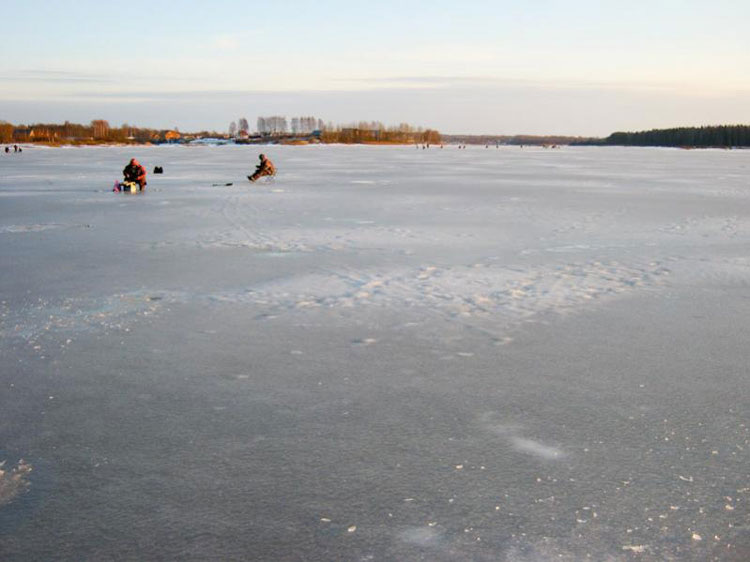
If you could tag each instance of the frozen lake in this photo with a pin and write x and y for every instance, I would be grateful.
(518, 355)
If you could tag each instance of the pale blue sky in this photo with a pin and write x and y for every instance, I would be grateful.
(547, 66)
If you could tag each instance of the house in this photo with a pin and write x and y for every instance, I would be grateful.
(23, 134)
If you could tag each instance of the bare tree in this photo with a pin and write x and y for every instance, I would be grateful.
(6, 132)
(274, 125)
(101, 128)
(232, 129)
(278, 125)
(243, 125)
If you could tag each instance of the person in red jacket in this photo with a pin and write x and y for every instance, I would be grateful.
(135, 172)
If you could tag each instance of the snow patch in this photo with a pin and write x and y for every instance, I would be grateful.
(421, 536)
(14, 481)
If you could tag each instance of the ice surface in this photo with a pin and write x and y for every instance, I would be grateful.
(296, 369)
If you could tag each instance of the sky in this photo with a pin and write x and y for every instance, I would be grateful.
(575, 67)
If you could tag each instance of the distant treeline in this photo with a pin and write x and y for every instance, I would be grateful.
(533, 140)
(96, 132)
(270, 129)
(376, 132)
(713, 136)
(313, 129)
(310, 129)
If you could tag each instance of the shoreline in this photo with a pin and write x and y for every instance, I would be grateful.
(33, 145)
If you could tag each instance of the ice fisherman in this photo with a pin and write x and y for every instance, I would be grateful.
(135, 172)
(265, 168)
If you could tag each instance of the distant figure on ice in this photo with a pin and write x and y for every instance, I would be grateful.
(7, 149)
(265, 168)
(15, 148)
(135, 173)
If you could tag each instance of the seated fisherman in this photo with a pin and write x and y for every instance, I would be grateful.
(136, 173)
(265, 168)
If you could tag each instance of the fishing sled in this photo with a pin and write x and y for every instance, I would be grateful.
(126, 187)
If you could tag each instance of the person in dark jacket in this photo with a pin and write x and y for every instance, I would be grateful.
(265, 168)
(135, 172)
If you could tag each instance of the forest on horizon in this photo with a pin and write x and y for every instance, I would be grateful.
(269, 129)
(311, 129)
(719, 136)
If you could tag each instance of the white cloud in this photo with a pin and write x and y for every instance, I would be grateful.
(227, 42)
